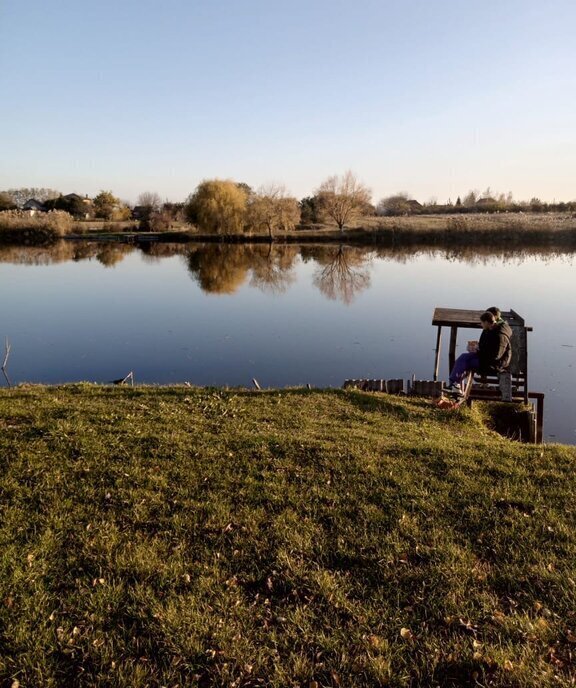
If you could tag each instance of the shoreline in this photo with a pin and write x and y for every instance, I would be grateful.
(442, 238)
(426, 230)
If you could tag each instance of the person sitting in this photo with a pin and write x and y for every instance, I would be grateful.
(492, 356)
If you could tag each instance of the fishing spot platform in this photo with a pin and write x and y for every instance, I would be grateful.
(511, 386)
(492, 387)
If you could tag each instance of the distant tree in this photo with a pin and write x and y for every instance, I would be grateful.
(174, 210)
(6, 201)
(246, 188)
(310, 210)
(271, 208)
(342, 199)
(217, 207)
(470, 199)
(159, 221)
(122, 212)
(458, 202)
(536, 205)
(150, 200)
(75, 205)
(20, 196)
(394, 205)
(105, 203)
(150, 205)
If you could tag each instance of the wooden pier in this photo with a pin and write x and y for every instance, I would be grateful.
(509, 387)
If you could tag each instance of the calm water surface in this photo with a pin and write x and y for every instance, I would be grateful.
(286, 315)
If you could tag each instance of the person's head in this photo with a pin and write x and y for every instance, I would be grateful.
(496, 312)
(487, 320)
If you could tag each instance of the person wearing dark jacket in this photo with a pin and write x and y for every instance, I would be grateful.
(494, 348)
(493, 355)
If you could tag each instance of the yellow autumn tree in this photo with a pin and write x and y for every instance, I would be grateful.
(217, 207)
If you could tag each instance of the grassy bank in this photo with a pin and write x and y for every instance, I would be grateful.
(181, 537)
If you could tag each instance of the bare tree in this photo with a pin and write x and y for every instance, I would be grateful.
(150, 200)
(20, 196)
(273, 209)
(342, 198)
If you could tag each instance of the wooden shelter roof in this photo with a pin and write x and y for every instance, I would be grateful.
(461, 317)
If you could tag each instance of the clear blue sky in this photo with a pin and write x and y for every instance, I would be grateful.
(431, 96)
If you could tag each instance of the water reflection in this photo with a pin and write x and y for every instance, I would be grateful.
(273, 269)
(341, 273)
(108, 254)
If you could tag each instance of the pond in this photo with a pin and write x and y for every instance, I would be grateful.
(286, 315)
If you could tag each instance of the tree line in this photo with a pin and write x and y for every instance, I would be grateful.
(227, 207)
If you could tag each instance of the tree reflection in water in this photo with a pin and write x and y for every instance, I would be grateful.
(223, 268)
(344, 272)
(219, 268)
(273, 268)
(110, 255)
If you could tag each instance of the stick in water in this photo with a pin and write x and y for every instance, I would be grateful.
(7, 347)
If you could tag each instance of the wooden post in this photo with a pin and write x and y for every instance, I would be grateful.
(539, 418)
(452, 351)
(438, 349)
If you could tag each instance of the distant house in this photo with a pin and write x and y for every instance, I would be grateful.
(486, 203)
(32, 206)
(79, 206)
(415, 206)
(76, 197)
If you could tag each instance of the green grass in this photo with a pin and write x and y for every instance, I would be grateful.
(182, 537)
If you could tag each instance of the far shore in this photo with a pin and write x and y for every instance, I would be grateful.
(498, 229)
(542, 229)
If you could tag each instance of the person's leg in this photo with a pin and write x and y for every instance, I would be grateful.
(464, 364)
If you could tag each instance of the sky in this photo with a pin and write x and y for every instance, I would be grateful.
(432, 97)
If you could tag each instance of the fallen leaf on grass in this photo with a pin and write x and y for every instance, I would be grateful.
(375, 641)
(406, 634)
